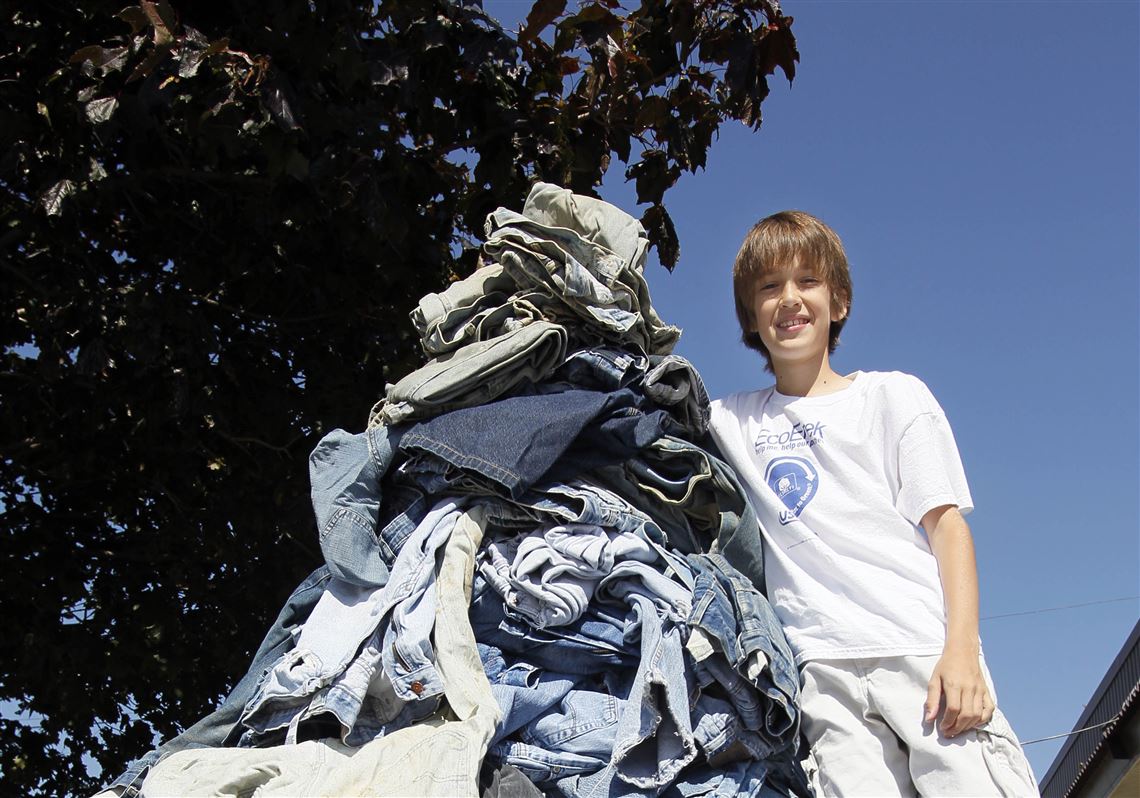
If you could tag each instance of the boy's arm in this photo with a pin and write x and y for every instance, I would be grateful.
(957, 678)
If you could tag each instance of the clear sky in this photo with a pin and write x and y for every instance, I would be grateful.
(980, 161)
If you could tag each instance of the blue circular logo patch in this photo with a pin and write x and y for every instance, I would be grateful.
(794, 480)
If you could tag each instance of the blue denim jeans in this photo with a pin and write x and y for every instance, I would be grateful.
(329, 651)
(696, 498)
(513, 442)
(359, 533)
(221, 727)
(595, 640)
(552, 722)
(524, 691)
(596, 368)
(637, 717)
(654, 737)
(549, 575)
(442, 757)
(675, 482)
(738, 617)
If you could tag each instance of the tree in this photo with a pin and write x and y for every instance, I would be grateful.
(215, 219)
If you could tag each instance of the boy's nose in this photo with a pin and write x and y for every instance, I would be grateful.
(789, 297)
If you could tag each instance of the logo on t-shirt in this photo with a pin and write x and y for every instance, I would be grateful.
(802, 434)
(794, 480)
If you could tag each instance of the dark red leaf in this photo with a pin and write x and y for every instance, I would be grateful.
(779, 49)
(542, 13)
(663, 235)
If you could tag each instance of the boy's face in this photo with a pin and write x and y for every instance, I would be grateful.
(792, 310)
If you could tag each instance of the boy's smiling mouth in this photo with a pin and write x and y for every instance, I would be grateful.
(794, 323)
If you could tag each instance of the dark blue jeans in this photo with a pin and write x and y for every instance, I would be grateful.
(514, 442)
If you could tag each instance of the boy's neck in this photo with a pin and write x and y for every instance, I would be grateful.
(813, 377)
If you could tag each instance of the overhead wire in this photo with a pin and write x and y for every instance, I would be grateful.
(1108, 722)
(1113, 719)
(1056, 609)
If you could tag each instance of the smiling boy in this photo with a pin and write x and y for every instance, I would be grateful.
(869, 563)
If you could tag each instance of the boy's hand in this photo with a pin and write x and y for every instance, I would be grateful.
(958, 681)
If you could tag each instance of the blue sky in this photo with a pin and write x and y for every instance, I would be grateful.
(980, 162)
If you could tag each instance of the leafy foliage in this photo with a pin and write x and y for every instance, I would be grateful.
(214, 218)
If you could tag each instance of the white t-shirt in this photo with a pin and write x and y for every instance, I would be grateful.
(840, 483)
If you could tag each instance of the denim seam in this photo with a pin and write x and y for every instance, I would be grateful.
(440, 448)
(348, 514)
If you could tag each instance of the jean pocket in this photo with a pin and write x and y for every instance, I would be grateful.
(582, 713)
(1005, 759)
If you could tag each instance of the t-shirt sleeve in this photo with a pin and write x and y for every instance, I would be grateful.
(930, 468)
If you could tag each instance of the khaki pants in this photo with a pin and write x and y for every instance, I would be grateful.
(864, 720)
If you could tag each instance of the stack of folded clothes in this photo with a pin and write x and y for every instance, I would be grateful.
(538, 578)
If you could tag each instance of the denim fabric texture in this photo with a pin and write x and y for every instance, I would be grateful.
(345, 473)
(597, 640)
(549, 576)
(221, 727)
(697, 497)
(596, 368)
(654, 735)
(329, 649)
(540, 577)
(673, 383)
(457, 315)
(738, 618)
(437, 758)
(513, 442)
(682, 487)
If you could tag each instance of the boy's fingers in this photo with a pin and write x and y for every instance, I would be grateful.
(970, 713)
(979, 711)
(953, 708)
(933, 699)
(987, 709)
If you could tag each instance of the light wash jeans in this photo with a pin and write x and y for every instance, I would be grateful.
(549, 576)
(438, 757)
(328, 649)
(604, 294)
(345, 472)
(444, 320)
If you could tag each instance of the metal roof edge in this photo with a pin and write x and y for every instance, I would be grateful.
(1131, 645)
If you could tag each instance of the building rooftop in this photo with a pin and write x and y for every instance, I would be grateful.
(1103, 756)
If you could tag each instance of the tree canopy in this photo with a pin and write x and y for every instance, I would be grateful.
(214, 220)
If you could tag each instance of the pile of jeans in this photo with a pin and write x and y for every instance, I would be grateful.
(538, 578)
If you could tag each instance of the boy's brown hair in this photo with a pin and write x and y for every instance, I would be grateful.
(777, 241)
